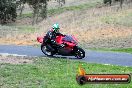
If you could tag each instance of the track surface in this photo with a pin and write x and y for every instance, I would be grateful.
(122, 59)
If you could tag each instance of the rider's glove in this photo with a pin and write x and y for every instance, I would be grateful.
(62, 45)
(53, 41)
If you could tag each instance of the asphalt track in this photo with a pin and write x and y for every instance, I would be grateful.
(113, 58)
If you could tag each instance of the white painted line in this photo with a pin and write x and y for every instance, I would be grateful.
(7, 54)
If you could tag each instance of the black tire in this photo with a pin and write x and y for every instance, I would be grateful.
(81, 80)
(79, 53)
(45, 50)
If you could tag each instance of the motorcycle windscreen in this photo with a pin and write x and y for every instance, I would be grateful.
(69, 38)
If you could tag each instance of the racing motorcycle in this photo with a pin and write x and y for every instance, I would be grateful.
(70, 47)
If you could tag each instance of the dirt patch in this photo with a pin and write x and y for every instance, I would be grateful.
(20, 39)
(15, 60)
(91, 35)
(110, 37)
(17, 42)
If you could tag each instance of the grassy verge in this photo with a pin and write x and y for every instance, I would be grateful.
(126, 50)
(54, 73)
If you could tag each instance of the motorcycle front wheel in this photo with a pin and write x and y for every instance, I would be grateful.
(46, 51)
(79, 53)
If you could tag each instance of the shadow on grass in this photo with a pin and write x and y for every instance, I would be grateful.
(61, 57)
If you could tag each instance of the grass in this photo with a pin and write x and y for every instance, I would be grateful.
(60, 10)
(55, 73)
(26, 29)
(126, 50)
(73, 8)
(122, 18)
(127, 20)
(25, 16)
(19, 28)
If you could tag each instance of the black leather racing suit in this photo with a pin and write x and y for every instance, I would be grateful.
(49, 40)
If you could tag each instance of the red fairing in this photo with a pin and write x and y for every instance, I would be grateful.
(70, 44)
(59, 39)
(40, 39)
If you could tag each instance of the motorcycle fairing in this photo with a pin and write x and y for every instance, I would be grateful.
(68, 40)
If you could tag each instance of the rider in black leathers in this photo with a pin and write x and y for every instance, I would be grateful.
(50, 37)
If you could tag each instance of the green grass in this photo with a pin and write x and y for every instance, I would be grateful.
(26, 29)
(55, 73)
(126, 50)
(19, 28)
(29, 15)
(124, 18)
(73, 8)
(126, 21)
(109, 19)
(60, 10)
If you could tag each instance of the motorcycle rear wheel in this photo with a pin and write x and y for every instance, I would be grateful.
(80, 53)
(46, 51)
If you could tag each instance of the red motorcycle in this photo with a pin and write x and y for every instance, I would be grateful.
(70, 47)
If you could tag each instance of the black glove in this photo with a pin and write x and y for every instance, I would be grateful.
(63, 35)
(53, 42)
(62, 45)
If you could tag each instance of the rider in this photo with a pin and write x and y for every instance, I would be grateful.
(51, 36)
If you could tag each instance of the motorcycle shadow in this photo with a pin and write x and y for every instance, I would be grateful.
(62, 57)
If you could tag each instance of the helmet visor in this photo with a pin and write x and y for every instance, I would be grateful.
(56, 30)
